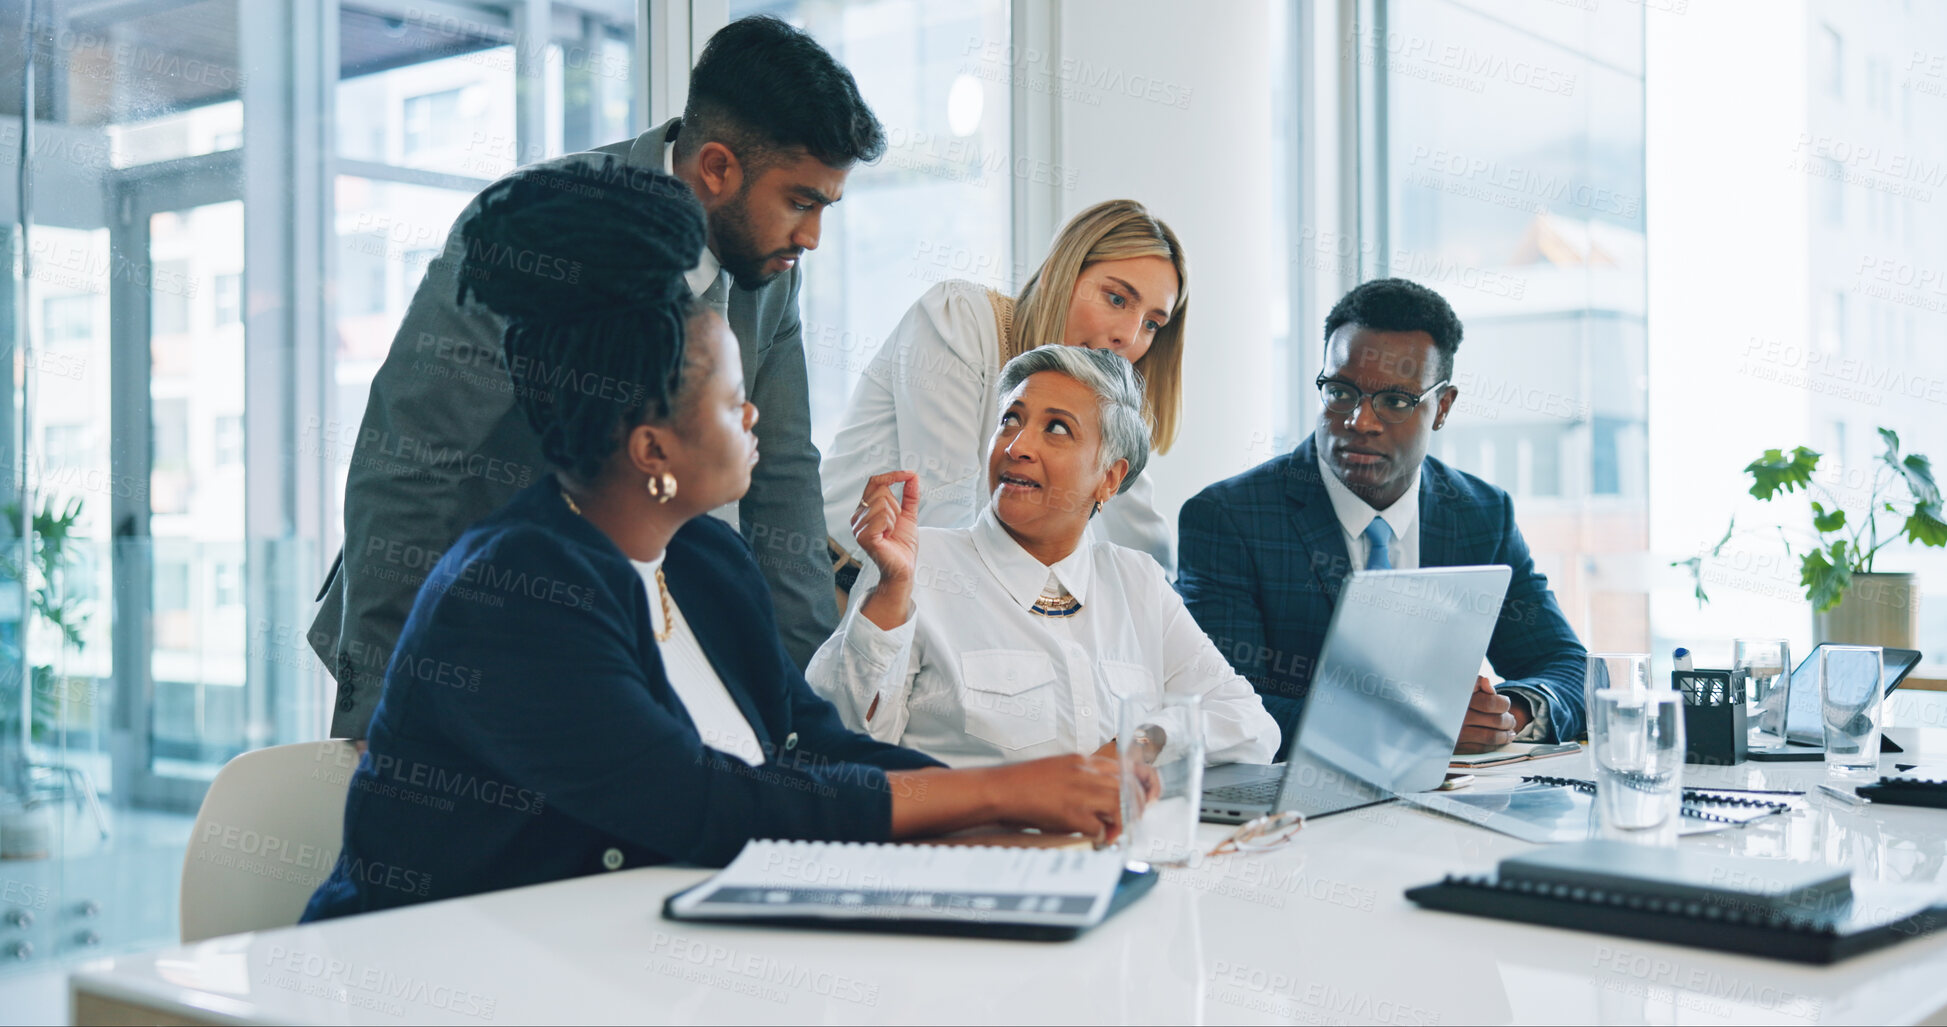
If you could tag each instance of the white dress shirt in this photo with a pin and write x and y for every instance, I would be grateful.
(1355, 514)
(929, 402)
(716, 715)
(704, 274)
(1403, 552)
(973, 678)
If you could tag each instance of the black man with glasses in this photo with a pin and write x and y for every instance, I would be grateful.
(1263, 554)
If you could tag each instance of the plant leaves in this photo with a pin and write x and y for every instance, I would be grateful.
(1825, 580)
(1827, 522)
(1926, 527)
(1918, 472)
(1892, 440)
(1774, 472)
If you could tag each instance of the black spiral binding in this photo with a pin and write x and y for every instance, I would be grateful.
(1734, 915)
(1690, 795)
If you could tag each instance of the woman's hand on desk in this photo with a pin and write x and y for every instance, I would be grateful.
(1064, 794)
(887, 529)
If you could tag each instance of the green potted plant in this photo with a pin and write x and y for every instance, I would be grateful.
(55, 530)
(1852, 601)
(25, 826)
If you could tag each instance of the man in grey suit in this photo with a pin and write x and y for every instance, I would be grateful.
(772, 127)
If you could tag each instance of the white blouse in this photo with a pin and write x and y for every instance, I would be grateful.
(973, 678)
(929, 403)
(711, 708)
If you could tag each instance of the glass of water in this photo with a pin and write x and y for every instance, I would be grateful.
(1768, 662)
(1637, 740)
(1159, 745)
(1629, 672)
(1850, 703)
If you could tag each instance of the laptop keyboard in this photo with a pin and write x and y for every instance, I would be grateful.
(1255, 793)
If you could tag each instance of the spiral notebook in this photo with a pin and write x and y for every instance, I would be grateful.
(1552, 810)
(1762, 907)
(1046, 894)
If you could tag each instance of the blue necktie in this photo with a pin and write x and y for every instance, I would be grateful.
(1378, 535)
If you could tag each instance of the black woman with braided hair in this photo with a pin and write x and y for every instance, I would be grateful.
(591, 677)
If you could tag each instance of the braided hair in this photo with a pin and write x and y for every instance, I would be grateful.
(586, 265)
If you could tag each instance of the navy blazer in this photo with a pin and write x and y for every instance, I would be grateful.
(1263, 556)
(528, 732)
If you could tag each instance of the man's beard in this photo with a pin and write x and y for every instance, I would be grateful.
(737, 244)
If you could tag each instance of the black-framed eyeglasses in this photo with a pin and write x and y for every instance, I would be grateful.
(1392, 406)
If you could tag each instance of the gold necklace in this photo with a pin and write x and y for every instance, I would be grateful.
(669, 618)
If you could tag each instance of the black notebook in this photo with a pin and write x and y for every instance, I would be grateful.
(1032, 894)
(1921, 786)
(1762, 907)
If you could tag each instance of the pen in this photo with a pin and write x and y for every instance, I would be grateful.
(1845, 795)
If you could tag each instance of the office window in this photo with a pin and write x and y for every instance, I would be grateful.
(68, 319)
(226, 584)
(1519, 197)
(1855, 241)
(1832, 322)
(1832, 184)
(1829, 61)
(169, 295)
(146, 178)
(227, 445)
(936, 207)
(432, 123)
(226, 292)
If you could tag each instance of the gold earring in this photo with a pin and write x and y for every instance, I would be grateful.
(662, 487)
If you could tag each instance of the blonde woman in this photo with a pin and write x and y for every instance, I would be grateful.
(1116, 279)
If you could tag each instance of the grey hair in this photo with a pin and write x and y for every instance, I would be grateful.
(1118, 397)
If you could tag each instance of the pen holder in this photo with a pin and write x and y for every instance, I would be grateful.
(1713, 715)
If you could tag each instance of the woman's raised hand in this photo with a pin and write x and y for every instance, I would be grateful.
(887, 525)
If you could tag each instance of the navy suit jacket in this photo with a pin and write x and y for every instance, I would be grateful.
(1263, 556)
(527, 731)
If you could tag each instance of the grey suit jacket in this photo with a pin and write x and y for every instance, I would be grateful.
(443, 444)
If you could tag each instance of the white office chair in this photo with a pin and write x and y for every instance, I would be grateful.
(268, 833)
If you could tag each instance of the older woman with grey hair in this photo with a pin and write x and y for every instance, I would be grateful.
(1015, 638)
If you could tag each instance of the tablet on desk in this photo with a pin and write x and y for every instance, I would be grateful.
(1804, 726)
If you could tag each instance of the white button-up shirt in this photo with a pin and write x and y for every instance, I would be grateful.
(1355, 514)
(973, 678)
(929, 402)
(704, 274)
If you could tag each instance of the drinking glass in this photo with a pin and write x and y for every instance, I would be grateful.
(1637, 740)
(1627, 671)
(1850, 702)
(1768, 662)
(1161, 741)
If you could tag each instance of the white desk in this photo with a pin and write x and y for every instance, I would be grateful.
(1318, 933)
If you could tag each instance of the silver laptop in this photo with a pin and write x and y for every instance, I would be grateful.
(1387, 700)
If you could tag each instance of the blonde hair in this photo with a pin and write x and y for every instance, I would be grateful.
(1112, 230)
